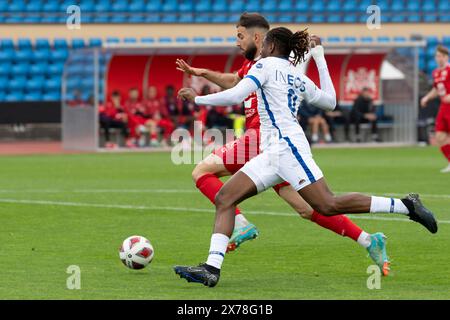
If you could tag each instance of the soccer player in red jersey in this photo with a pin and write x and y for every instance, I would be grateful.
(441, 88)
(251, 30)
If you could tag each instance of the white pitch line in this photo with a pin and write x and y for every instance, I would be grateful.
(423, 195)
(168, 208)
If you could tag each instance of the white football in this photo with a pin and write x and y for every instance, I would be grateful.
(136, 252)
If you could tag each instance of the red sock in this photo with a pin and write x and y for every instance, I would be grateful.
(446, 151)
(209, 185)
(340, 224)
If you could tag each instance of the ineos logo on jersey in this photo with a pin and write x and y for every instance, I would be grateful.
(296, 82)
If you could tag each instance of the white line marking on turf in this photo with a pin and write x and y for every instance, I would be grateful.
(423, 195)
(166, 208)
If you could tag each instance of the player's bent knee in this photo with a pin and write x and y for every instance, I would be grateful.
(222, 199)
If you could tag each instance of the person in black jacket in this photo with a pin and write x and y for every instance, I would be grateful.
(364, 111)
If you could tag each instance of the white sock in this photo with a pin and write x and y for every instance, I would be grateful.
(240, 221)
(364, 239)
(315, 137)
(219, 243)
(328, 137)
(387, 205)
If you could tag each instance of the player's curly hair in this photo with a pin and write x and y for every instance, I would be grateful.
(286, 42)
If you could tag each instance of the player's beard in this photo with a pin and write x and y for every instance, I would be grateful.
(250, 53)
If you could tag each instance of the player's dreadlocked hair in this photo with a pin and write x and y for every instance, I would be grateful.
(286, 42)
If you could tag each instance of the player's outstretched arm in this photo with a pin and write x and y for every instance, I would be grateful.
(223, 80)
(429, 96)
(228, 97)
(328, 94)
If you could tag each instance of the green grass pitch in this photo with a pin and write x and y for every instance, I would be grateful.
(64, 210)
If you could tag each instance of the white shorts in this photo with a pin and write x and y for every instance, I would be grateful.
(282, 162)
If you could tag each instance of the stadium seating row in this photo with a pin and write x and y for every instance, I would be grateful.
(222, 11)
(32, 69)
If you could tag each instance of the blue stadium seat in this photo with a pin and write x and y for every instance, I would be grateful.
(129, 40)
(119, 6)
(219, 6)
(33, 96)
(285, 18)
(20, 68)
(52, 96)
(285, 6)
(231, 39)
(444, 6)
(6, 55)
(87, 6)
(95, 42)
(383, 39)
(152, 18)
(234, 18)
(430, 18)
(3, 83)
(154, 6)
(301, 18)
(317, 18)
(333, 6)
(432, 40)
(32, 19)
(14, 96)
(35, 83)
(363, 5)
(17, 83)
(398, 18)
(23, 55)
(252, 6)
(398, 6)
(59, 55)
(5, 68)
(170, 6)
(350, 6)
(7, 44)
(55, 69)
(219, 18)
(334, 18)
(2, 95)
(137, 6)
(35, 6)
(14, 18)
(182, 40)
(384, 5)
(60, 43)
(39, 69)
(318, 6)
(199, 39)
(77, 43)
(399, 39)
(136, 18)
(118, 18)
(269, 6)
(333, 39)
(203, 6)
(350, 39)
(413, 5)
(202, 18)
(50, 6)
(49, 19)
(100, 18)
(186, 5)
(429, 6)
(169, 18)
(17, 6)
(3, 6)
(350, 18)
(446, 40)
(165, 40)
(414, 18)
(366, 39)
(216, 39)
(236, 6)
(24, 44)
(444, 18)
(42, 44)
(148, 40)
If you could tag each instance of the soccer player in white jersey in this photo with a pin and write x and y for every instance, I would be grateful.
(286, 154)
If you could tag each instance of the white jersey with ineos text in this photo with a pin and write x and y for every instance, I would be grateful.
(280, 88)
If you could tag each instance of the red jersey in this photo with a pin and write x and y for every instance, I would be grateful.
(251, 103)
(441, 81)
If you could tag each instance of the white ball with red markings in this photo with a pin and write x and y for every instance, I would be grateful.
(136, 252)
